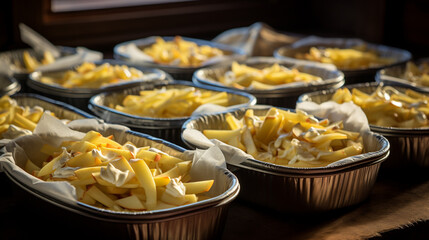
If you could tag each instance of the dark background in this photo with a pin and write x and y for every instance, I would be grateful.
(402, 24)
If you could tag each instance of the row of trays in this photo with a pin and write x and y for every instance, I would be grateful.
(276, 187)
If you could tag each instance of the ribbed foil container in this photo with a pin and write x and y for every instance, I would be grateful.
(395, 76)
(301, 190)
(178, 73)
(79, 97)
(409, 146)
(201, 220)
(165, 128)
(60, 109)
(400, 56)
(8, 85)
(281, 97)
(16, 56)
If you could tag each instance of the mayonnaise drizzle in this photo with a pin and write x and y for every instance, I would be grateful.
(109, 156)
(114, 175)
(175, 188)
(64, 157)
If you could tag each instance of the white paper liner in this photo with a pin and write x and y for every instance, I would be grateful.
(354, 119)
(82, 55)
(41, 44)
(37, 41)
(53, 131)
(258, 39)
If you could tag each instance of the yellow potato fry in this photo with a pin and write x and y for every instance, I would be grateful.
(100, 197)
(181, 52)
(170, 103)
(167, 198)
(88, 75)
(51, 166)
(270, 126)
(357, 57)
(145, 178)
(23, 122)
(83, 160)
(292, 139)
(198, 187)
(30, 62)
(389, 107)
(221, 135)
(30, 167)
(242, 76)
(123, 181)
(131, 202)
(85, 173)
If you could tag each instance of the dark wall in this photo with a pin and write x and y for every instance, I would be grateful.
(396, 23)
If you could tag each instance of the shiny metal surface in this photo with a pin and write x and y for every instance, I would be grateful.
(16, 56)
(79, 97)
(8, 85)
(395, 76)
(307, 193)
(178, 73)
(409, 146)
(281, 97)
(287, 189)
(60, 109)
(351, 76)
(200, 220)
(165, 128)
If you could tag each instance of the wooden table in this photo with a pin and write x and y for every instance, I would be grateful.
(397, 208)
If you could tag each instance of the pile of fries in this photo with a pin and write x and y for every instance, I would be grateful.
(358, 57)
(31, 63)
(181, 53)
(245, 77)
(417, 74)
(89, 75)
(389, 107)
(170, 103)
(287, 138)
(119, 177)
(18, 119)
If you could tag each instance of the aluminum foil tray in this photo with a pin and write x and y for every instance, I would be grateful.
(302, 190)
(178, 73)
(79, 97)
(9, 85)
(16, 56)
(280, 97)
(409, 146)
(165, 128)
(395, 76)
(400, 56)
(202, 220)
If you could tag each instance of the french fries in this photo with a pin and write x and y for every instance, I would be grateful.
(290, 139)
(89, 75)
(242, 76)
(170, 103)
(119, 177)
(389, 107)
(180, 52)
(17, 120)
(31, 63)
(357, 57)
(417, 74)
